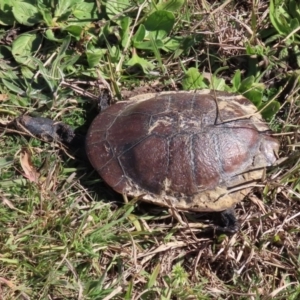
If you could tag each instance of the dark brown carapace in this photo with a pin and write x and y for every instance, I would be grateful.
(192, 150)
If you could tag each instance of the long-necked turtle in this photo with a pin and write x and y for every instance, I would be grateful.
(197, 151)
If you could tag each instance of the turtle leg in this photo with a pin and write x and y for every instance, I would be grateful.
(229, 221)
(47, 129)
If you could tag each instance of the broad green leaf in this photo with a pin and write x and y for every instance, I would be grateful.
(193, 80)
(148, 45)
(94, 56)
(69, 61)
(140, 34)
(26, 13)
(114, 53)
(26, 73)
(273, 37)
(5, 52)
(294, 9)
(115, 8)
(255, 95)
(270, 110)
(6, 18)
(160, 23)
(74, 30)
(250, 50)
(294, 23)
(284, 53)
(6, 14)
(252, 90)
(171, 43)
(56, 67)
(47, 76)
(236, 80)
(6, 161)
(155, 49)
(125, 25)
(9, 73)
(246, 84)
(11, 86)
(145, 65)
(277, 19)
(86, 11)
(49, 34)
(64, 8)
(46, 14)
(219, 84)
(24, 47)
(170, 5)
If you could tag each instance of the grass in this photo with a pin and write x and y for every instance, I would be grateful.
(65, 235)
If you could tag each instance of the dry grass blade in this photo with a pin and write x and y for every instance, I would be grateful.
(29, 170)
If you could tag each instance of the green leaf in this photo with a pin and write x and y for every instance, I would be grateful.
(74, 30)
(148, 45)
(140, 34)
(171, 44)
(86, 11)
(128, 295)
(170, 5)
(5, 52)
(252, 90)
(270, 110)
(236, 80)
(153, 276)
(114, 53)
(52, 83)
(13, 87)
(49, 34)
(6, 161)
(26, 13)
(114, 8)
(294, 9)
(6, 14)
(277, 19)
(69, 61)
(125, 25)
(24, 47)
(255, 95)
(246, 84)
(94, 56)
(64, 8)
(160, 23)
(284, 54)
(140, 62)
(193, 80)
(56, 66)
(219, 84)
(27, 73)
(46, 13)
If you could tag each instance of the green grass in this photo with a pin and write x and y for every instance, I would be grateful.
(67, 236)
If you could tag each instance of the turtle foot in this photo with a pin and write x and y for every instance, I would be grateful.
(229, 221)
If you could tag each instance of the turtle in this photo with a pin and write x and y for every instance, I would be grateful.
(191, 150)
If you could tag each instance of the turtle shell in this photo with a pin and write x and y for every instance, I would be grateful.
(198, 151)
